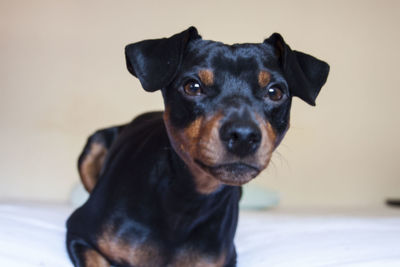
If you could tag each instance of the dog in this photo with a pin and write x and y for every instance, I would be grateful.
(164, 189)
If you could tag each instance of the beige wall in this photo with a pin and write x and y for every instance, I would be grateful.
(62, 75)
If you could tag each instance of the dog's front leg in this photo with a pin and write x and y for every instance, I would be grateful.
(82, 255)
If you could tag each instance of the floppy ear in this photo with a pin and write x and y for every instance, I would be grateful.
(155, 62)
(305, 74)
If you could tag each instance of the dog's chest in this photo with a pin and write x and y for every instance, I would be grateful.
(125, 248)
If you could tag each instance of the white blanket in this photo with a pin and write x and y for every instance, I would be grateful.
(33, 235)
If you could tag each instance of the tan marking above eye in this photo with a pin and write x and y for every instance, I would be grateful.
(206, 77)
(264, 77)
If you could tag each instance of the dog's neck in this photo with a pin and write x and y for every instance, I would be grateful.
(187, 209)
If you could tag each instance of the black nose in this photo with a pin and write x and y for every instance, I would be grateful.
(241, 138)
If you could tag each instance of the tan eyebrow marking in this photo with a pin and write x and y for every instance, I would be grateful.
(206, 77)
(264, 77)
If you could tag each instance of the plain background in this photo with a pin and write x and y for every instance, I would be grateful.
(63, 75)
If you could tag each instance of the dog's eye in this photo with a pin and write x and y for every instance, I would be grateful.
(193, 88)
(275, 94)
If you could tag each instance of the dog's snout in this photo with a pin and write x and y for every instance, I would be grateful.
(241, 138)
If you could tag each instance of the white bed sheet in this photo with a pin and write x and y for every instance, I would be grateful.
(33, 235)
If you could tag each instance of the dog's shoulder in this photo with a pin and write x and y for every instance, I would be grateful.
(145, 132)
(147, 119)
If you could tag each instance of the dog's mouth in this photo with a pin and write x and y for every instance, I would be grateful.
(236, 173)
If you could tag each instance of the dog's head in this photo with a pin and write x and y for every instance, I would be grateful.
(226, 106)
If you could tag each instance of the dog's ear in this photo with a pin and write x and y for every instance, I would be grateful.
(155, 62)
(305, 74)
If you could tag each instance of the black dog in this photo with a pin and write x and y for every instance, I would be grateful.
(165, 188)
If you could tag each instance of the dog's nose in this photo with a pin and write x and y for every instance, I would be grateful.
(241, 138)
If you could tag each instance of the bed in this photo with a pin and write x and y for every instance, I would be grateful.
(33, 235)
